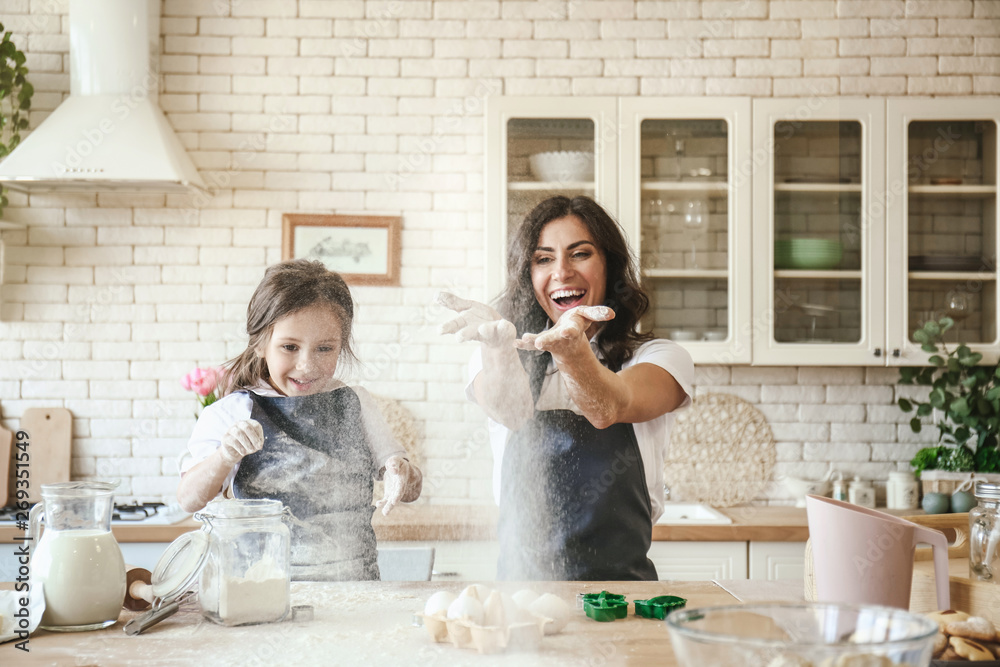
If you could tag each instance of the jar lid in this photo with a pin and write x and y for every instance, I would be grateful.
(987, 490)
(902, 476)
(177, 568)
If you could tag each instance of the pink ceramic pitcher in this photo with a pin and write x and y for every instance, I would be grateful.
(862, 556)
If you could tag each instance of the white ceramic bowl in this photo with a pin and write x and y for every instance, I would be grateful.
(800, 488)
(680, 334)
(562, 166)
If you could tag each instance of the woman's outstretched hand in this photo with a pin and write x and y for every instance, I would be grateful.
(403, 483)
(568, 332)
(476, 321)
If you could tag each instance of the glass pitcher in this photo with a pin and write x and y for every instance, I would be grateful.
(77, 559)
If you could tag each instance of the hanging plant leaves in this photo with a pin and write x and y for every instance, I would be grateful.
(15, 97)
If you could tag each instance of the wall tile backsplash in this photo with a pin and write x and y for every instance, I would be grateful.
(377, 107)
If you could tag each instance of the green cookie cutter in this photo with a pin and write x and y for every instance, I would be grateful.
(604, 606)
(659, 606)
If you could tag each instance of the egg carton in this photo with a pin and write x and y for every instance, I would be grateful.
(525, 636)
(489, 621)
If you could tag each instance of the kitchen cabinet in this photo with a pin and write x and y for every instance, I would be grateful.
(668, 170)
(819, 231)
(687, 215)
(941, 209)
(776, 560)
(466, 560)
(694, 561)
(521, 127)
(819, 268)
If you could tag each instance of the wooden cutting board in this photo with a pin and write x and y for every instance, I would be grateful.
(50, 433)
(6, 443)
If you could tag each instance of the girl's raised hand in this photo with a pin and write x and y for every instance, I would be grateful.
(243, 438)
(569, 331)
(476, 321)
(402, 480)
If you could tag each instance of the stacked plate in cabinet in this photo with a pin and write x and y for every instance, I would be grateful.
(807, 253)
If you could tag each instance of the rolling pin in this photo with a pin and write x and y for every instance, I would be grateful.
(138, 588)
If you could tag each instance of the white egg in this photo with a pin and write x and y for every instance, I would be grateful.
(468, 608)
(512, 611)
(524, 597)
(554, 607)
(494, 614)
(439, 602)
(477, 591)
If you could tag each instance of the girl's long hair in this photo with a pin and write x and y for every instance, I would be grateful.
(624, 294)
(286, 288)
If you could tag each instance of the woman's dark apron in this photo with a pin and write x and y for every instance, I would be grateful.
(316, 460)
(574, 505)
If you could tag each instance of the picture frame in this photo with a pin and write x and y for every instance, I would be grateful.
(364, 249)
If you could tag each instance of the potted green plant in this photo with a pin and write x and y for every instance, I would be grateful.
(15, 99)
(966, 398)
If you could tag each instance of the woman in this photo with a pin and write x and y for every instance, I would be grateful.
(580, 402)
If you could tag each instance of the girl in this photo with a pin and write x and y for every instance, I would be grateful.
(286, 429)
(581, 416)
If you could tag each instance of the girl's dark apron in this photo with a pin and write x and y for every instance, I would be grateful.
(573, 502)
(316, 460)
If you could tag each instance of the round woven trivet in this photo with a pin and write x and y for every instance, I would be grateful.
(721, 452)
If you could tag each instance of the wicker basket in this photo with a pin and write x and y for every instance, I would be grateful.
(943, 481)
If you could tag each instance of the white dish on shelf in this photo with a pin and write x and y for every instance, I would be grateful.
(562, 166)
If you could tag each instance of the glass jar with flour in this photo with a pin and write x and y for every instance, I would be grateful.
(246, 574)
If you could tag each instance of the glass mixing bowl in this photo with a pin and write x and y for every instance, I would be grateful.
(800, 634)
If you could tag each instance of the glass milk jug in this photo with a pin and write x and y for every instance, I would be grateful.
(246, 574)
(77, 559)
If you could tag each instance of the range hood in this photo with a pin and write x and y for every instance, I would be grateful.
(109, 134)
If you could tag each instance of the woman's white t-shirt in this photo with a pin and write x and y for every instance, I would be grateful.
(218, 417)
(653, 436)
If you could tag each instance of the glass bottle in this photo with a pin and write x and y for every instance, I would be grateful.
(984, 533)
(901, 491)
(246, 575)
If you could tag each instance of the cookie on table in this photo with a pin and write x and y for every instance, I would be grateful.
(976, 628)
(946, 616)
(970, 649)
(940, 644)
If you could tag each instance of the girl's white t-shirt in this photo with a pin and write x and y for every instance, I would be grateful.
(653, 436)
(218, 417)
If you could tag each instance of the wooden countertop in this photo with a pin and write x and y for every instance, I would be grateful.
(423, 522)
(369, 623)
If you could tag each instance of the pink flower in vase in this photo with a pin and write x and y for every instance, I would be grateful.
(203, 381)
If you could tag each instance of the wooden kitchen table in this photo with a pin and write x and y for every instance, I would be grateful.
(369, 623)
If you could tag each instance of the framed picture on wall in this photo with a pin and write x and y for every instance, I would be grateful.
(364, 249)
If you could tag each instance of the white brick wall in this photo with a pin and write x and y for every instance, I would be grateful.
(326, 106)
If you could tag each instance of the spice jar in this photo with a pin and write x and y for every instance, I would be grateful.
(984, 533)
(861, 492)
(246, 575)
(901, 491)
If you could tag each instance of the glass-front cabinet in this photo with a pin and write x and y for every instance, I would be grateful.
(668, 169)
(688, 216)
(942, 216)
(812, 231)
(540, 147)
(819, 264)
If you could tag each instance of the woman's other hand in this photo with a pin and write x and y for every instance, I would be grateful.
(403, 482)
(568, 333)
(243, 438)
(476, 321)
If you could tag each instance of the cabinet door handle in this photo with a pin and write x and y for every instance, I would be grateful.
(895, 352)
(878, 352)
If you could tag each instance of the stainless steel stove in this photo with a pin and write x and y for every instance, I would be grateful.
(151, 514)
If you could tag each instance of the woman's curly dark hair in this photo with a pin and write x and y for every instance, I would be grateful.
(623, 291)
